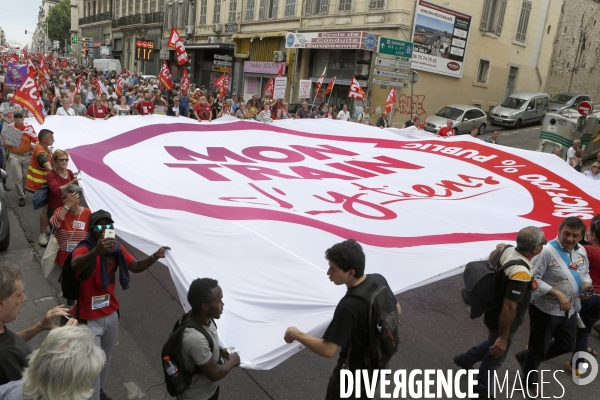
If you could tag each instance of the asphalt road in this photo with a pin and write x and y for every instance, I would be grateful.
(434, 326)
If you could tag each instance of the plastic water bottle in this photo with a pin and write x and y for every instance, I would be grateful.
(173, 373)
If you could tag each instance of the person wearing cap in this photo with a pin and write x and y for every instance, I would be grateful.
(7, 109)
(105, 258)
(19, 157)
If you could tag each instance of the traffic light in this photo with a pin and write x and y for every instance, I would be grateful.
(26, 31)
(75, 39)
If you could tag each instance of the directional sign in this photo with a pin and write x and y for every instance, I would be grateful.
(585, 108)
(390, 83)
(395, 47)
(223, 57)
(221, 69)
(223, 63)
(399, 75)
(388, 62)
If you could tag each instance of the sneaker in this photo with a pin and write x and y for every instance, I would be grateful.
(570, 368)
(456, 360)
(43, 240)
(21, 202)
(103, 395)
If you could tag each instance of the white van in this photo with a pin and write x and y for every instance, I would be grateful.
(520, 108)
(103, 64)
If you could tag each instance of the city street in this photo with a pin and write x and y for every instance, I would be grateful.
(434, 325)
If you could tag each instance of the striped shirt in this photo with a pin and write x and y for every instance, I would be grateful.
(264, 116)
(71, 230)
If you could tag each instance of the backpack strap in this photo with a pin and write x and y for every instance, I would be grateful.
(186, 321)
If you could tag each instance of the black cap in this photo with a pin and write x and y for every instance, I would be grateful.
(100, 214)
(18, 112)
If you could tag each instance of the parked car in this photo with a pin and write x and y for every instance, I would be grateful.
(562, 101)
(293, 107)
(520, 108)
(465, 118)
(4, 226)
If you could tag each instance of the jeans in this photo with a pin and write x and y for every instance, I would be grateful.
(549, 336)
(489, 362)
(105, 336)
(19, 165)
(590, 314)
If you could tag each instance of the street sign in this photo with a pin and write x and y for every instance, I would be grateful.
(388, 62)
(223, 57)
(395, 47)
(585, 108)
(399, 75)
(413, 77)
(390, 83)
(221, 69)
(223, 63)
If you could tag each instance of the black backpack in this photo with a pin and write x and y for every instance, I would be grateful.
(68, 283)
(383, 339)
(173, 349)
(482, 283)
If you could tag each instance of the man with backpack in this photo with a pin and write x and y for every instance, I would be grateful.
(94, 263)
(513, 283)
(351, 329)
(193, 346)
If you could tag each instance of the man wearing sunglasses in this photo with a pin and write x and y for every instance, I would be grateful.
(100, 257)
(19, 157)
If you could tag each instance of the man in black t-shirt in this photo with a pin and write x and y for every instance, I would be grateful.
(13, 347)
(504, 321)
(348, 328)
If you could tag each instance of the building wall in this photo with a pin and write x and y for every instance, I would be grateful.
(575, 61)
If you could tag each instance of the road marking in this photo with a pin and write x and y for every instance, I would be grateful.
(133, 391)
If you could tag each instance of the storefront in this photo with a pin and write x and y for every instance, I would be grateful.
(208, 61)
(257, 75)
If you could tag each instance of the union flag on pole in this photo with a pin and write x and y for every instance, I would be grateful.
(319, 82)
(176, 43)
(356, 92)
(119, 88)
(28, 96)
(30, 66)
(390, 103)
(78, 87)
(330, 86)
(280, 71)
(184, 85)
(269, 89)
(13, 58)
(165, 77)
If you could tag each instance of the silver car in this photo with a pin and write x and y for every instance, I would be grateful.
(562, 101)
(465, 118)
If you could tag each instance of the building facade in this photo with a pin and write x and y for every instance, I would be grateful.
(40, 41)
(94, 22)
(575, 61)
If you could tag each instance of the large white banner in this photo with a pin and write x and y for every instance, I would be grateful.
(256, 205)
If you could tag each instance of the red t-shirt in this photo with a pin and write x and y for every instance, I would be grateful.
(71, 230)
(203, 110)
(95, 301)
(55, 181)
(97, 111)
(593, 253)
(145, 107)
(445, 131)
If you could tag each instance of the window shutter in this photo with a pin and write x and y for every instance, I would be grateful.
(483, 26)
(501, 11)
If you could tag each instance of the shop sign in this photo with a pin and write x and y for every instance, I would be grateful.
(231, 28)
(221, 69)
(258, 67)
(332, 40)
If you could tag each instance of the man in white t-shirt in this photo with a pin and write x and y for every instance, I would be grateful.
(344, 115)
(66, 110)
(572, 150)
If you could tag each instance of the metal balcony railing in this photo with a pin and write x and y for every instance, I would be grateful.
(151, 18)
(105, 16)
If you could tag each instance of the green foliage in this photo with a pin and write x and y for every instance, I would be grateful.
(59, 23)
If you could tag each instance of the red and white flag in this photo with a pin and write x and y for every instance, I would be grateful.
(320, 80)
(78, 88)
(164, 76)
(98, 88)
(184, 85)
(330, 86)
(55, 63)
(176, 43)
(356, 92)
(30, 66)
(28, 96)
(25, 50)
(390, 103)
(13, 58)
(281, 68)
(222, 83)
(269, 88)
(119, 88)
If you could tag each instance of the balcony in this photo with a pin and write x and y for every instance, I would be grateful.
(138, 19)
(91, 19)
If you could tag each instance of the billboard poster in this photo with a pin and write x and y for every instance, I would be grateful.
(440, 38)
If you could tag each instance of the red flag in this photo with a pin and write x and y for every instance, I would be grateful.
(78, 88)
(55, 64)
(30, 66)
(330, 86)
(164, 76)
(281, 68)
(28, 96)
(13, 58)
(390, 103)
(320, 81)
(64, 63)
(43, 68)
(25, 50)
(98, 88)
(356, 92)
(119, 89)
(176, 43)
(185, 82)
(269, 89)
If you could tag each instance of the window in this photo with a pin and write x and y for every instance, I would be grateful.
(545, 101)
(161, 5)
(483, 71)
(137, 6)
(169, 15)
(272, 12)
(250, 10)
(131, 8)
(117, 8)
(94, 8)
(179, 14)
(345, 5)
(290, 8)
(203, 12)
(493, 16)
(152, 5)
(232, 11)
(145, 7)
(261, 9)
(217, 11)
(523, 21)
(376, 4)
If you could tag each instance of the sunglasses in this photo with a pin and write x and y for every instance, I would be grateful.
(100, 228)
(18, 116)
(543, 243)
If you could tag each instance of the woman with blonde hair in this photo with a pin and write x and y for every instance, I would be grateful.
(64, 368)
(594, 171)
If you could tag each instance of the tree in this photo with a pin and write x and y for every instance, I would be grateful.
(59, 23)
